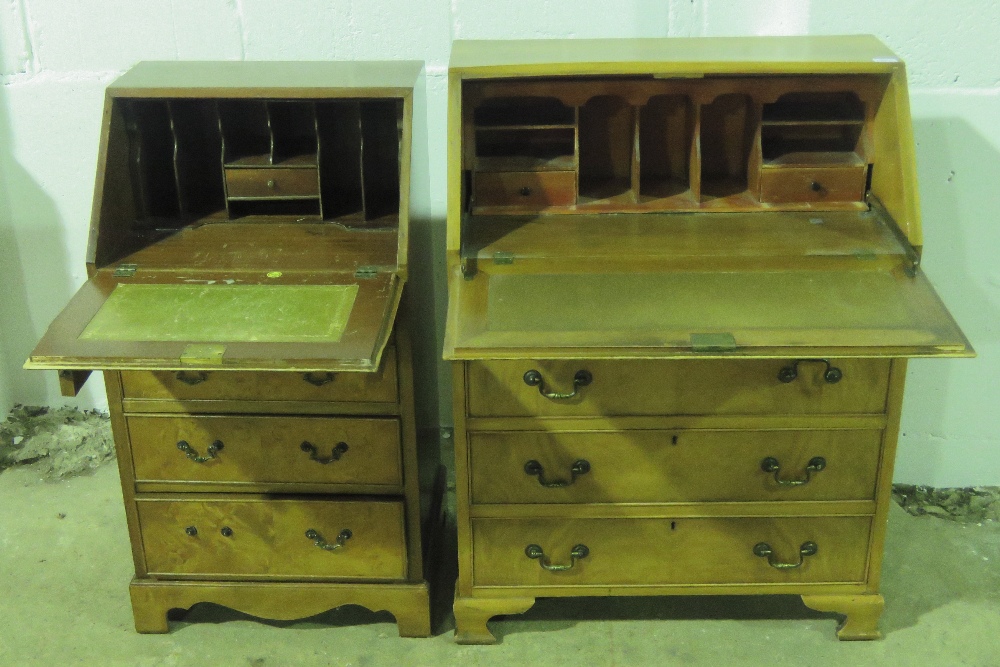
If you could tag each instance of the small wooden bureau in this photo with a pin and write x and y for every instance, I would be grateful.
(684, 282)
(247, 260)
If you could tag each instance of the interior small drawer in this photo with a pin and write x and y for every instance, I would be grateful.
(268, 183)
(525, 189)
(274, 538)
(795, 185)
(608, 388)
(552, 552)
(673, 466)
(377, 387)
(243, 449)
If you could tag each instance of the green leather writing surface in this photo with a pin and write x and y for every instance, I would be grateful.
(224, 313)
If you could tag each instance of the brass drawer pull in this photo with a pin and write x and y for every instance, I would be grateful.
(580, 467)
(764, 550)
(771, 464)
(318, 540)
(832, 374)
(535, 551)
(318, 379)
(213, 449)
(335, 454)
(534, 379)
(191, 377)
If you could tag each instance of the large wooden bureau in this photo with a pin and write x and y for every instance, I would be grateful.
(247, 259)
(684, 282)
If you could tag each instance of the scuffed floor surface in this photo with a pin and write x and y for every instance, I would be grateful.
(65, 565)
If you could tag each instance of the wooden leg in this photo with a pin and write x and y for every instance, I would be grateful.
(412, 613)
(861, 613)
(149, 612)
(471, 615)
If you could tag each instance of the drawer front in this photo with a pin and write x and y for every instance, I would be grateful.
(676, 387)
(673, 466)
(272, 183)
(795, 185)
(525, 189)
(377, 387)
(268, 537)
(647, 552)
(311, 450)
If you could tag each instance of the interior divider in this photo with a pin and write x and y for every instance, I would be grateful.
(380, 132)
(338, 126)
(197, 157)
(151, 145)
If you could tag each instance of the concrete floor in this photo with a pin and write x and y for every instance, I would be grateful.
(65, 565)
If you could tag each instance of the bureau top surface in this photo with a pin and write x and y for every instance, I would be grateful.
(854, 53)
(263, 79)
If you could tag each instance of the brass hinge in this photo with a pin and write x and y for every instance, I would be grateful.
(125, 270)
(366, 272)
(712, 342)
(503, 258)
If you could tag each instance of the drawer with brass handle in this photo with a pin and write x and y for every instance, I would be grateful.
(377, 387)
(273, 537)
(231, 449)
(272, 183)
(553, 552)
(673, 466)
(609, 388)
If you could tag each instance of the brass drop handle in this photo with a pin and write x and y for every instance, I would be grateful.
(191, 378)
(832, 374)
(318, 540)
(764, 550)
(579, 467)
(534, 379)
(771, 464)
(192, 454)
(335, 454)
(318, 379)
(534, 551)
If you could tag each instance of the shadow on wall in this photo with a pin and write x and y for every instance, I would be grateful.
(33, 264)
(428, 280)
(957, 169)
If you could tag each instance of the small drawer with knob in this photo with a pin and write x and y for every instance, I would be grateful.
(529, 190)
(188, 452)
(805, 185)
(273, 537)
(599, 552)
(272, 183)
(697, 465)
(609, 388)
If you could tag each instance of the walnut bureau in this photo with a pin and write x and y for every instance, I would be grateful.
(247, 259)
(684, 283)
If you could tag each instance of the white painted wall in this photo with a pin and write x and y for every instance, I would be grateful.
(57, 55)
